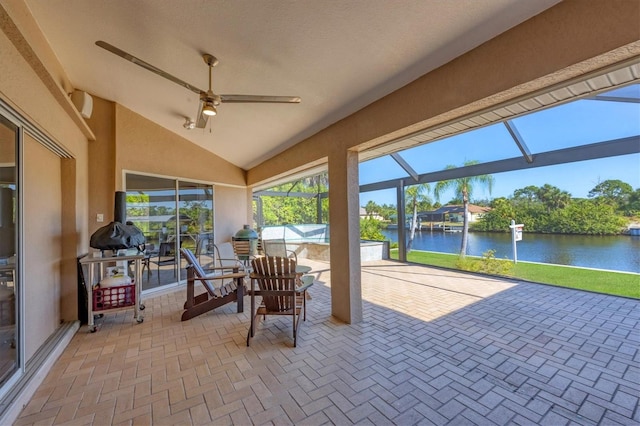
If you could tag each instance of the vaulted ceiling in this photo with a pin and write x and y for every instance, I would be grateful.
(337, 55)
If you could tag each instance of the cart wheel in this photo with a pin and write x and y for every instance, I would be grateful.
(142, 306)
(139, 320)
(93, 329)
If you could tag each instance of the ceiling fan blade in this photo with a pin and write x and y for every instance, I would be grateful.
(259, 98)
(201, 119)
(147, 66)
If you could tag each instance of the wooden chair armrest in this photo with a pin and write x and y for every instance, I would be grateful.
(222, 268)
(233, 275)
(219, 277)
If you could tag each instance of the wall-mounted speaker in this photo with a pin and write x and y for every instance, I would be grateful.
(83, 102)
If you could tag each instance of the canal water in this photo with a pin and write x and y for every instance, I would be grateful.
(619, 253)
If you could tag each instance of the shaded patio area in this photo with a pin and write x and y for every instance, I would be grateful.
(435, 347)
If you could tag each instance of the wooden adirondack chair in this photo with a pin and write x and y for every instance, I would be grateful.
(279, 285)
(230, 289)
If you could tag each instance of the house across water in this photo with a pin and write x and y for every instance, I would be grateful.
(446, 217)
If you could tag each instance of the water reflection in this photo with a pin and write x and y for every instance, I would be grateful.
(620, 252)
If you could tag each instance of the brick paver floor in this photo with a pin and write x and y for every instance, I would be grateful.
(435, 347)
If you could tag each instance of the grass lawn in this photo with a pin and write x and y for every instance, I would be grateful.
(614, 283)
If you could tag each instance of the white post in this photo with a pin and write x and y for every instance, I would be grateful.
(513, 241)
(516, 235)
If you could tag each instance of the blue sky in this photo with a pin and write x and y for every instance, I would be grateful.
(573, 124)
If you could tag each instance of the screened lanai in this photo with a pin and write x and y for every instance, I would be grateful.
(581, 129)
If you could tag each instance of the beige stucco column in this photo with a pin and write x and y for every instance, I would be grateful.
(344, 220)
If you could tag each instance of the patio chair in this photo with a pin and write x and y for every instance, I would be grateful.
(242, 251)
(7, 295)
(148, 250)
(277, 283)
(230, 288)
(278, 248)
(204, 246)
(166, 256)
(225, 257)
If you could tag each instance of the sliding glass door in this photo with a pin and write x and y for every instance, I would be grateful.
(195, 204)
(8, 250)
(172, 214)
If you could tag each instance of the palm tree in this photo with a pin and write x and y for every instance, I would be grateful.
(553, 197)
(371, 208)
(463, 188)
(415, 194)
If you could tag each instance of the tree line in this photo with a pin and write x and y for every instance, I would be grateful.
(548, 209)
(608, 208)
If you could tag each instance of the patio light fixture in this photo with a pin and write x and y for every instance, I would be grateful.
(189, 124)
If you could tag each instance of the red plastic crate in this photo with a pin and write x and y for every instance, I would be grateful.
(114, 297)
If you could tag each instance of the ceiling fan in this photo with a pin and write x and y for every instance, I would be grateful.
(208, 100)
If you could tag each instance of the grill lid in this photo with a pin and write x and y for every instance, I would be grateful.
(116, 236)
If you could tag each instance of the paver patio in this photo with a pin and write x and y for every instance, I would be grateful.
(435, 347)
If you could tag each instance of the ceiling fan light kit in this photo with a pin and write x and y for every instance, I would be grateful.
(209, 109)
(208, 99)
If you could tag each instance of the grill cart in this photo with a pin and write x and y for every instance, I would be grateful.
(112, 286)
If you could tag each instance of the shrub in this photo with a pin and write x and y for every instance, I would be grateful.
(370, 230)
(487, 264)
